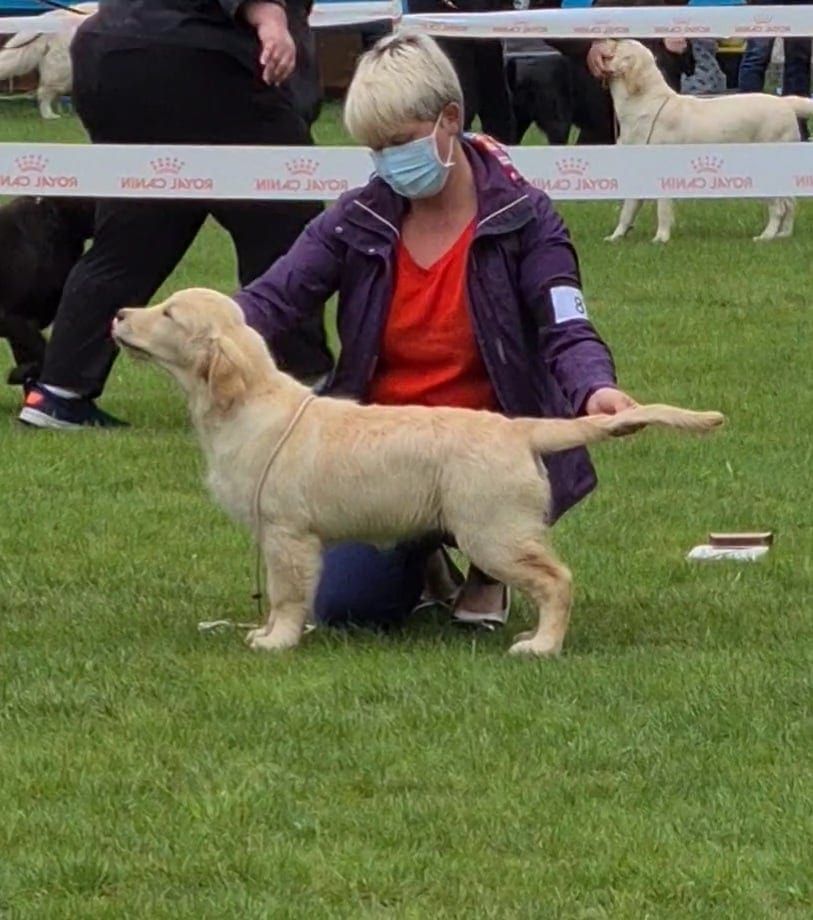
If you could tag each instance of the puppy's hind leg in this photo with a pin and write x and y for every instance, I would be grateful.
(787, 220)
(776, 211)
(47, 97)
(626, 219)
(548, 584)
(293, 562)
(531, 567)
(666, 220)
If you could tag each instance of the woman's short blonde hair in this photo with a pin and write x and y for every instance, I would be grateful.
(403, 77)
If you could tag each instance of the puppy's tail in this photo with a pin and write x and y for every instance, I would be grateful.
(802, 107)
(548, 436)
(21, 54)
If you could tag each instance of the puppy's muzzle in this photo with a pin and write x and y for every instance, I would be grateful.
(118, 332)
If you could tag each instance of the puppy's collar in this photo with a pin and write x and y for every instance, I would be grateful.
(655, 119)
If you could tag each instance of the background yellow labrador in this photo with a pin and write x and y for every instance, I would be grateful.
(341, 471)
(649, 111)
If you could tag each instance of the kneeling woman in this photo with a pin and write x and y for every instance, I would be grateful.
(458, 285)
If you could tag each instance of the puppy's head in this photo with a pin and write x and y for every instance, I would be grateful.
(202, 339)
(630, 62)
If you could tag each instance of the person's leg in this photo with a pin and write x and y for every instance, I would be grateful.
(592, 107)
(796, 75)
(496, 112)
(136, 245)
(729, 63)
(754, 65)
(460, 52)
(124, 95)
(262, 231)
(306, 83)
(364, 586)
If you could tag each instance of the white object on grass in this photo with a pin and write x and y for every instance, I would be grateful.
(708, 553)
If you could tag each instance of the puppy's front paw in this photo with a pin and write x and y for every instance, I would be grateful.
(274, 641)
(614, 237)
(253, 634)
(523, 636)
(535, 648)
(660, 238)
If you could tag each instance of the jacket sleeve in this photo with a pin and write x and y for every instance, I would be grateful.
(550, 283)
(298, 284)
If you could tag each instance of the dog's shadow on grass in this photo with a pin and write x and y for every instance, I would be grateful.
(604, 628)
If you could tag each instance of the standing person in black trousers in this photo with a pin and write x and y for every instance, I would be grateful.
(174, 72)
(480, 67)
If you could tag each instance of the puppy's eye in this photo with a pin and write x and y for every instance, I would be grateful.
(168, 315)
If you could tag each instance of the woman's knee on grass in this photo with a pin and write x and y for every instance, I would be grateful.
(365, 586)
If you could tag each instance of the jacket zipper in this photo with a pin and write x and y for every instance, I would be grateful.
(475, 326)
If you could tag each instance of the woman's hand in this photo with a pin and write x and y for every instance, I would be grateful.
(608, 401)
(598, 57)
(675, 45)
(278, 52)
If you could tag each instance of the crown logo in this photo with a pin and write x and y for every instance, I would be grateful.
(707, 164)
(31, 163)
(572, 166)
(302, 166)
(167, 166)
(763, 20)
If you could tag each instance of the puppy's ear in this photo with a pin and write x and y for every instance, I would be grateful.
(225, 371)
(634, 74)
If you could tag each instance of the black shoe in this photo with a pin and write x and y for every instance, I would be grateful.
(43, 409)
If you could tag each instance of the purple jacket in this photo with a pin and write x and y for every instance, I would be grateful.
(542, 359)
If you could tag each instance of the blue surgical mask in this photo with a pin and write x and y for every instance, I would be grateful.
(414, 170)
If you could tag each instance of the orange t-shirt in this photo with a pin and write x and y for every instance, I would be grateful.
(428, 353)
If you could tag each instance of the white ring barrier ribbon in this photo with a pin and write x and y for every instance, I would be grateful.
(631, 22)
(324, 173)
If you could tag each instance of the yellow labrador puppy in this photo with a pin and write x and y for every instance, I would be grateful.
(649, 111)
(48, 52)
(305, 471)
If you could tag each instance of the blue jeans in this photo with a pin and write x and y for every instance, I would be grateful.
(365, 586)
(796, 73)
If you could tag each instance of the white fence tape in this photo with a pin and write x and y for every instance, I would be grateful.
(353, 13)
(635, 22)
(707, 171)
(632, 22)
(566, 173)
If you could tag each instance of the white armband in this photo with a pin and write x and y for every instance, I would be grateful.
(568, 304)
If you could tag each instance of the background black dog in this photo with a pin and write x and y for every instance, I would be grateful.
(40, 242)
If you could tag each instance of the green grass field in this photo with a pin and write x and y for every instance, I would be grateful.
(660, 769)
